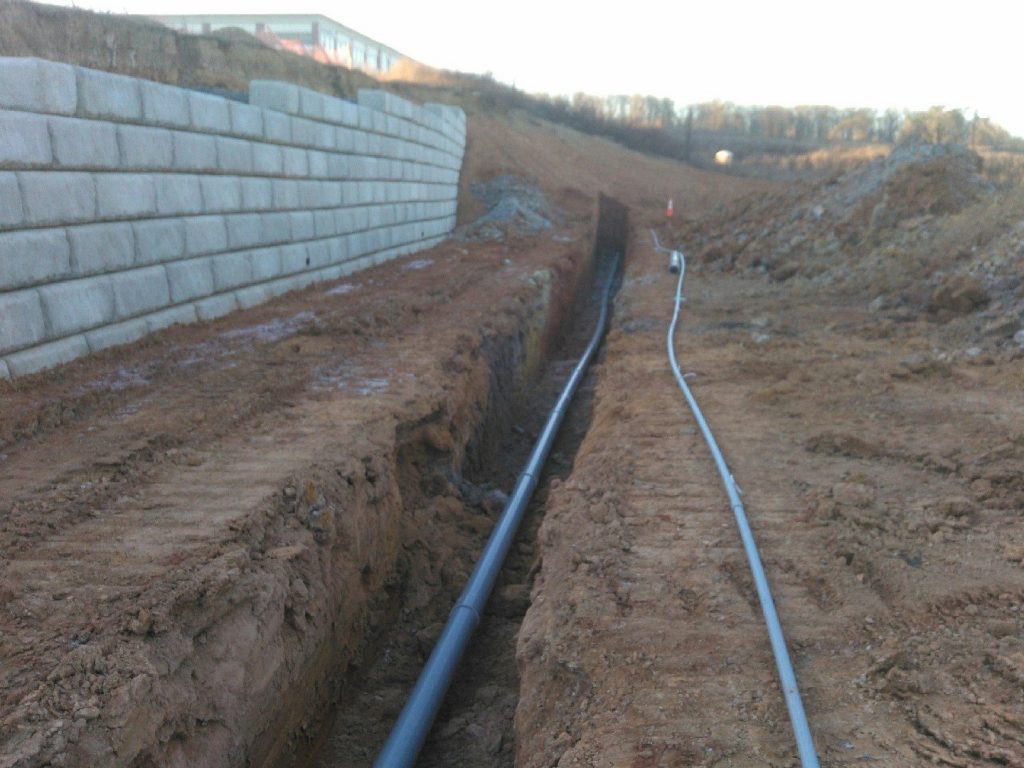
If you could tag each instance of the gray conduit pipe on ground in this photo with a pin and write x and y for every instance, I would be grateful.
(413, 725)
(787, 677)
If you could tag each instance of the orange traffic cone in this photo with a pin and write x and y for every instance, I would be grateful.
(668, 210)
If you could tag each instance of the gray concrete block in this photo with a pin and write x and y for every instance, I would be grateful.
(159, 240)
(77, 305)
(323, 222)
(22, 322)
(209, 114)
(194, 151)
(121, 195)
(257, 194)
(216, 306)
(296, 162)
(275, 95)
(251, 296)
(164, 104)
(286, 194)
(190, 279)
(105, 95)
(360, 142)
(221, 194)
(234, 155)
(267, 159)
(311, 104)
(266, 264)
(338, 250)
(24, 140)
(303, 132)
(231, 270)
(302, 225)
(317, 163)
(33, 256)
(34, 85)
(310, 194)
(324, 139)
(246, 120)
(178, 194)
(319, 253)
(115, 335)
(174, 316)
(275, 227)
(57, 198)
(277, 127)
(12, 212)
(294, 258)
(345, 140)
(47, 355)
(137, 291)
(98, 248)
(243, 230)
(344, 221)
(337, 166)
(205, 234)
(145, 148)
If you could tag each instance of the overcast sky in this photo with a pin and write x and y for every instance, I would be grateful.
(900, 53)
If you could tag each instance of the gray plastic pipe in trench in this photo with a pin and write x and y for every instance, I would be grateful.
(413, 725)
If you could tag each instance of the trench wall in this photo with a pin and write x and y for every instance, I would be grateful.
(127, 206)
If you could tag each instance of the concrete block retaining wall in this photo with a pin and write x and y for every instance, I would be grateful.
(127, 205)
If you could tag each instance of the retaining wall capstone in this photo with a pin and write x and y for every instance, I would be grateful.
(127, 206)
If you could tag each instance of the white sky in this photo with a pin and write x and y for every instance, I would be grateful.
(859, 53)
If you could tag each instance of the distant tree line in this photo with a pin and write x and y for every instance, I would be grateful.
(805, 125)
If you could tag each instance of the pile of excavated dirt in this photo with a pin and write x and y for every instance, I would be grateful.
(513, 207)
(918, 234)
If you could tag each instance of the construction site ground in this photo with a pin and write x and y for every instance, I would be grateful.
(234, 543)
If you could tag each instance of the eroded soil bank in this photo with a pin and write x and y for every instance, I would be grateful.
(200, 531)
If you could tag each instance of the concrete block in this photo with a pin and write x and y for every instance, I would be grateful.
(173, 316)
(105, 95)
(24, 140)
(338, 249)
(310, 194)
(365, 118)
(12, 212)
(22, 322)
(323, 223)
(360, 142)
(178, 194)
(209, 114)
(324, 138)
(234, 155)
(243, 230)
(251, 296)
(164, 104)
(344, 221)
(267, 159)
(311, 104)
(278, 96)
(345, 140)
(317, 163)
(275, 227)
(190, 279)
(286, 194)
(138, 291)
(294, 258)
(266, 264)
(5, 372)
(33, 256)
(125, 194)
(246, 120)
(159, 240)
(99, 248)
(337, 166)
(116, 334)
(302, 225)
(34, 85)
(303, 132)
(257, 194)
(221, 194)
(77, 305)
(57, 198)
(205, 234)
(194, 151)
(230, 270)
(296, 162)
(47, 355)
(277, 127)
(216, 306)
(145, 148)
(319, 253)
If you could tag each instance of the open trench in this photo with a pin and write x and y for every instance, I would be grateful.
(451, 500)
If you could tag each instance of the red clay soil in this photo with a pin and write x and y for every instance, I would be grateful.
(882, 481)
